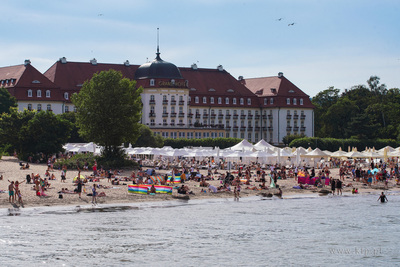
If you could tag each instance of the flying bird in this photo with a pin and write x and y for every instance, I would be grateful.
(280, 19)
(100, 15)
(291, 24)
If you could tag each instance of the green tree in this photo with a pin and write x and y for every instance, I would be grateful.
(7, 101)
(289, 138)
(322, 101)
(108, 111)
(74, 134)
(148, 139)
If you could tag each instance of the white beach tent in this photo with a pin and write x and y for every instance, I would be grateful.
(262, 145)
(244, 145)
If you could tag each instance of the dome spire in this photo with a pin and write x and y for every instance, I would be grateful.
(158, 45)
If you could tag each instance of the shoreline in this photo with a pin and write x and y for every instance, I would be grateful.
(118, 194)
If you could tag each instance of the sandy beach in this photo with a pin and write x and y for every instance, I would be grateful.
(10, 170)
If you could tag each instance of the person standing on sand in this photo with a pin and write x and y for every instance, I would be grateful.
(339, 187)
(79, 188)
(333, 186)
(11, 196)
(94, 194)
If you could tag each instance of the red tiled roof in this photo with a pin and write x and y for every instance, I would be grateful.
(27, 77)
(71, 75)
(279, 88)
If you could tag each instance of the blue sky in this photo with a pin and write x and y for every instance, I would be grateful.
(332, 43)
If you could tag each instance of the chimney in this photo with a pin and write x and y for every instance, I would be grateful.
(240, 78)
(220, 68)
(93, 61)
(27, 62)
(280, 74)
(126, 63)
(63, 60)
(194, 66)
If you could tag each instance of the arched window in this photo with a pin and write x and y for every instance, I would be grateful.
(204, 100)
(301, 101)
(39, 107)
(152, 97)
(47, 93)
(30, 93)
(211, 100)
(287, 101)
(241, 101)
(234, 101)
(39, 93)
(151, 82)
(227, 100)
(66, 96)
(196, 99)
(265, 101)
(294, 101)
(219, 100)
(48, 107)
(29, 106)
(248, 101)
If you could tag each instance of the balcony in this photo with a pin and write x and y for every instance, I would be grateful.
(270, 128)
(165, 124)
(197, 116)
(181, 124)
(213, 116)
(228, 128)
(288, 117)
(257, 128)
(172, 124)
(243, 128)
(235, 128)
(152, 102)
(165, 102)
(296, 117)
(302, 117)
(181, 115)
(242, 117)
(302, 129)
(249, 128)
(190, 115)
(165, 114)
(250, 116)
(296, 129)
(173, 102)
(235, 116)
(288, 129)
(227, 116)
(264, 116)
(257, 117)
(264, 128)
(220, 116)
(173, 115)
(152, 114)
(181, 103)
(270, 116)
(205, 116)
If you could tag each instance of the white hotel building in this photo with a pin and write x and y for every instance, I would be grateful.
(178, 102)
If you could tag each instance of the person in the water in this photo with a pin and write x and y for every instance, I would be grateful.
(383, 198)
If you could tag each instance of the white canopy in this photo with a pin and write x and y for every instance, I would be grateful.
(243, 145)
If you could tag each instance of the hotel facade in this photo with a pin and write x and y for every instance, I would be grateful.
(184, 102)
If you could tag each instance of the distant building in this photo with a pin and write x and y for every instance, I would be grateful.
(178, 102)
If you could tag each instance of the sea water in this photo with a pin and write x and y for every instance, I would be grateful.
(351, 230)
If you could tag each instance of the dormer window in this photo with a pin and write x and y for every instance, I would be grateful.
(271, 101)
(301, 101)
(204, 100)
(152, 82)
(47, 93)
(227, 100)
(287, 101)
(248, 101)
(30, 93)
(196, 99)
(265, 101)
(66, 96)
(35, 81)
(219, 100)
(211, 100)
(234, 101)
(39, 93)
(241, 101)
(294, 101)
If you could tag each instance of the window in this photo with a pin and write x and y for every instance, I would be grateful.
(189, 99)
(48, 107)
(249, 112)
(164, 97)
(204, 111)
(164, 109)
(180, 98)
(196, 99)
(66, 96)
(211, 100)
(47, 93)
(248, 101)
(265, 101)
(39, 107)
(181, 135)
(301, 101)
(242, 112)
(287, 101)
(241, 101)
(172, 98)
(271, 101)
(197, 111)
(219, 100)
(227, 100)
(29, 93)
(151, 82)
(29, 106)
(249, 136)
(66, 109)
(172, 109)
(204, 100)
(288, 112)
(39, 93)
(294, 101)
(234, 101)
(219, 112)
(152, 97)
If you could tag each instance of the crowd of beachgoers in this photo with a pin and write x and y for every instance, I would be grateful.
(38, 184)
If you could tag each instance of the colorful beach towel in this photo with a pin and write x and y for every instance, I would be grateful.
(158, 179)
(177, 179)
(142, 189)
